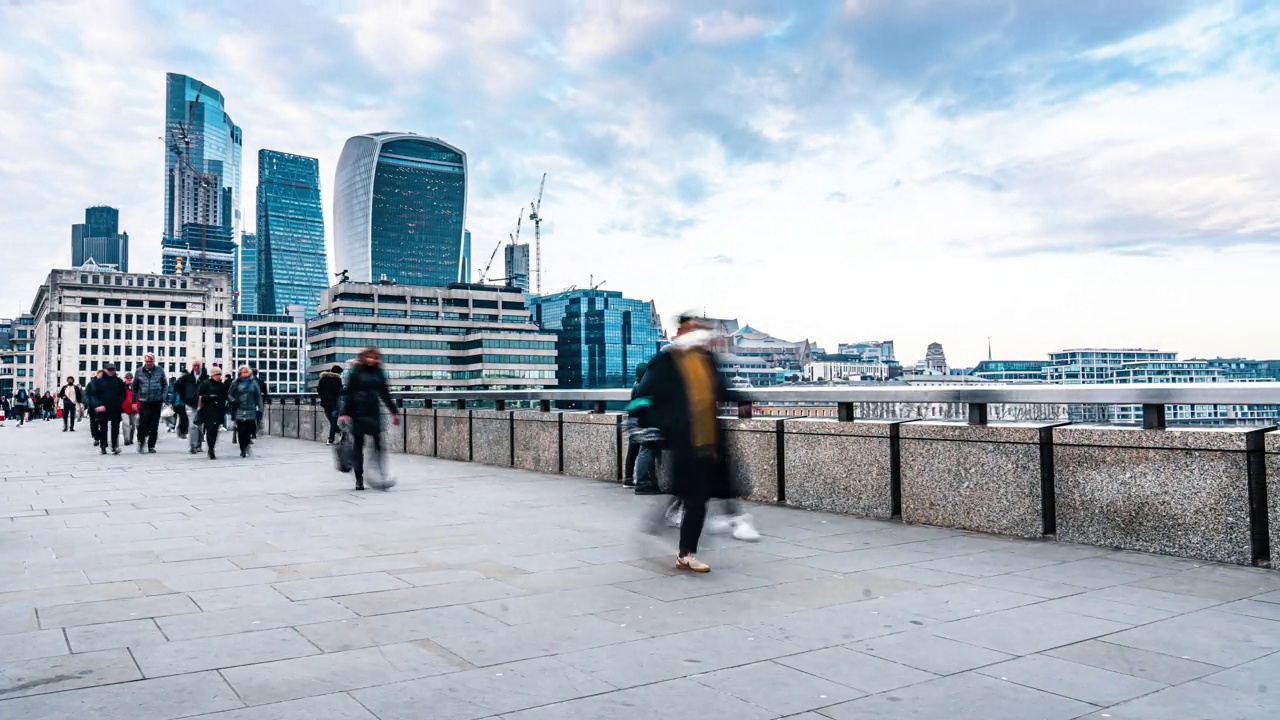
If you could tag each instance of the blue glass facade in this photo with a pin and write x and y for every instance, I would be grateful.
(247, 284)
(601, 336)
(99, 239)
(200, 138)
(400, 209)
(293, 268)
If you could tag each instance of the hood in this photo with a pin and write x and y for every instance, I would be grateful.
(697, 338)
(331, 374)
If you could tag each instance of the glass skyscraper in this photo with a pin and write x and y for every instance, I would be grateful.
(202, 168)
(292, 264)
(601, 336)
(248, 281)
(400, 203)
(99, 239)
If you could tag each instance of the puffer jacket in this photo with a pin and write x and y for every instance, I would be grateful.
(245, 397)
(150, 386)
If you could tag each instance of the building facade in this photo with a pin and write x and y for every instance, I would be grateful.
(17, 354)
(293, 268)
(752, 343)
(881, 350)
(85, 319)
(831, 369)
(202, 248)
(275, 346)
(1011, 371)
(202, 158)
(399, 213)
(516, 263)
(601, 336)
(99, 239)
(247, 269)
(461, 336)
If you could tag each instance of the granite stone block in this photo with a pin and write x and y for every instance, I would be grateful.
(752, 447)
(276, 420)
(420, 431)
(268, 412)
(491, 437)
(289, 426)
(1272, 448)
(453, 434)
(974, 477)
(537, 440)
(592, 447)
(307, 422)
(842, 467)
(1180, 492)
(393, 436)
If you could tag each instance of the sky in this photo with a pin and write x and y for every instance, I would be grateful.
(1036, 175)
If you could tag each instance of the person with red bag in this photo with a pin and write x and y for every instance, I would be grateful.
(130, 410)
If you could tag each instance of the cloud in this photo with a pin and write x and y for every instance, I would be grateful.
(837, 196)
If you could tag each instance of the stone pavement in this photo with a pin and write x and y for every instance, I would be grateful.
(168, 586)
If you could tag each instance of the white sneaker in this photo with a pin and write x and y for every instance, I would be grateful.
(719, 525)
(743, 529)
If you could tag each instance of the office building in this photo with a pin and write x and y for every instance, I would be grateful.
(1011, 371)
(464, 276)
(516, 259)
(752, 343)
(99, 239)
(85, 319)
(1246, 369)
(601, 336)
(399, 211)
(881, 350)
(845, 368)
(17, 355)
(247, 270)
(202, 158)
(293, 265)
(202, 248)
(275, 346)
(460, 336)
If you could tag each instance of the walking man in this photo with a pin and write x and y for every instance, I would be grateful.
(366, 390)
(71, 399)
(149, 387)
(211, 403)
(109, 392)
(187, 388)
(329, 389)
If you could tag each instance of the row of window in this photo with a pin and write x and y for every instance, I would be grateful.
(174, 335)
(448, 302)
(438, 344)
(266, 342)
(254, 353)
(128, 281)
(179, 351)
(396, 359)
(267, 330)
(129, 319)
(116, 302)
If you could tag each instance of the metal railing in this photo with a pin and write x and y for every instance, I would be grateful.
(1152, 398)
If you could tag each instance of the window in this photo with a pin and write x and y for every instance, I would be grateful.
(92, 333)
(128, 334)
(84, 349)
(128, 319)
(117, 279)
(173, 336)
(173, 319)
(151, 282)
(88, 301)
(93, 317)
(178, 305)
(84, 317)
(94, 348)
(155, 303)
(83, 366)
(217, 337)
(117, 317)
(133, 303)
(151, 334)
(182, 321)
(151, 319)
(83, 333)
(113, 302)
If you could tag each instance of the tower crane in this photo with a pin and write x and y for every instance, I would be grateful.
(536, 208)
(182, 153)
(484, 274)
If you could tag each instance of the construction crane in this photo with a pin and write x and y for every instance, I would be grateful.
(536, 207)
(484, 274)
(183, 155)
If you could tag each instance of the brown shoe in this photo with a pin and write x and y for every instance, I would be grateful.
(692, 564)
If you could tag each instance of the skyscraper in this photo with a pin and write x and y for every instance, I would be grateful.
(399, 211)
(202, 176)
(248, 266)
(292, 265)
(464, 275)
(600, 335)
(99, 238)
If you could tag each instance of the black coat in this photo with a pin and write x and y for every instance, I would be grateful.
(662, 402)
(188, 387)
(366, 390)
(109, 393)
(329, 389)
(211, 398)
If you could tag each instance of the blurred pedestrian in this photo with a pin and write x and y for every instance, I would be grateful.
(211, 403)
(187, 388)
(262, 389)
(19, 406)
(91, 406)
(245, 398)
(330, 389)
(362, 399)
(149, 388)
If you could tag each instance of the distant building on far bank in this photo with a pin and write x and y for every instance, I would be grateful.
(601, 336)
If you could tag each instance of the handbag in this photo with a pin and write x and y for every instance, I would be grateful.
(166, 412)
(344, 453)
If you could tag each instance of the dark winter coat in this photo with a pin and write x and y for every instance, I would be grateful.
(662, 402)
(188, 386)
(329, 389)
(245, 398)
(21, 399)
(211, 398)
(79, 396)
(150, 385)
(108, 393)
(366, 390)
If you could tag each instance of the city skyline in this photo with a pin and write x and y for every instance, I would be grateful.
(1104, 174)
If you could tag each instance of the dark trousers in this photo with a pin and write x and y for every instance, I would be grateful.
(68, 416)
(183, 423)
(211, 434)
(633, 451)
(357, 440)
(94, 429)
(149, 422)
(109, 429)
(245, 430)
(695, 492)
(333, 423)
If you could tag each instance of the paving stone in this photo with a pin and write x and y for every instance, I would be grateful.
(1094, 572)
(1079, 682)
(566, 603)
(1203, 587)
(853, 561)
(364, 632)
(1195, 700)
(221, 580)
(1157, 667)
(262, 617)
(106, 636)
(93, 613)
(1255, 677)
(968, 696)
(160, 699)
(986, 564)
(439, 577)
(1108, 610)
(335, 672)
(923, 650)
(65, 672)
(837, 625)
(523, 642)
(42, 582)
(31, 645)
(17, 619)
(338, 706)
(340, 585)
(1157, 599)
(71, 595)
(1252, 608)
(676, 699)
(222, 651)
(954, 602)
(237, 597)
(777, 687)
(1207, 636)
(482, 693)
(160, 571)
(683, 586)
(1027, 630)
(574, 578)
(673, 656)
(1030, 586)
(421, 598)
(921, 575)
(860, 671)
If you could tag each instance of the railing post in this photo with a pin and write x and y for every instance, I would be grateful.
(428, 403)
(499, 405)
(544, 405)
(1153, 417)
(598, 407)
(745, 408)
(462, 404)
(977, 413)
(844, 412)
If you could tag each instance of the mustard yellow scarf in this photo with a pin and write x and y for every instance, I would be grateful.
(697, 372)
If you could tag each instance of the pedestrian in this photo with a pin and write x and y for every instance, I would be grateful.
(365, 392)
(633, 447)
(262, 388)
(129, 419)
(211, 404)
(149, 388)
(227, 379)
(20, 400)
(678, 396)
(245, 399)
(4, 409)
(330, 389)
(91, 403)
(46, 406)
(71, 398)
(109, 392)
(187, 390)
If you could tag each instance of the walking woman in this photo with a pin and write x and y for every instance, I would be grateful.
(211, 404)
(246, 398)
(366, 390)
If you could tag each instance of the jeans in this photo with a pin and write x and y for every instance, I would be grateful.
(68, 416)
(378, 459)
(130, 425)
(245, 430)
(149, 422)
(333, 423)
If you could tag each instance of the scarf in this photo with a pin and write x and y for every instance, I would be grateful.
(699, 382)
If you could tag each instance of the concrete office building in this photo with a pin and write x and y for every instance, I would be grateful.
(1011, 371)
(459, 336)
(85, 319)
(275, 346)
(17, 354)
